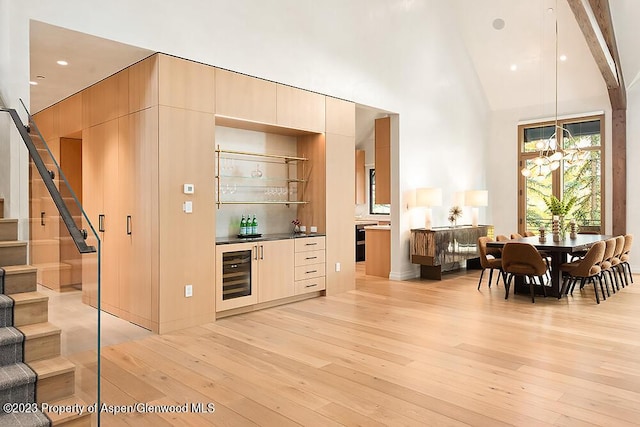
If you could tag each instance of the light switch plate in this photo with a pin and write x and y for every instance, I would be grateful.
(188, 189)
(187, 206)
(188, 291)
(337, 266)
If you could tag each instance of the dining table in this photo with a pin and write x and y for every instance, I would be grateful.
(558, 252)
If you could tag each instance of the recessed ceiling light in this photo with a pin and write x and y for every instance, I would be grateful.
(62, 62)
(32, 83)
(498, 23)
(563, 57)
(513, 67)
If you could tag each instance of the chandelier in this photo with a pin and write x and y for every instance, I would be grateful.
(551, 151)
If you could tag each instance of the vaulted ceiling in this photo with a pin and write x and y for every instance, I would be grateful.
(526, 42)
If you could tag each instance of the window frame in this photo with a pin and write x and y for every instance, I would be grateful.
(557, 178)
(371, 193)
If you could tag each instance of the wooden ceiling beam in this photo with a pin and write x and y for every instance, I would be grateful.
(594, 19)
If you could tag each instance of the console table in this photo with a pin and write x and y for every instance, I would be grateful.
(442, 249)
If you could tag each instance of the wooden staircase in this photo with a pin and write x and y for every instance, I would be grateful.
(55, 383)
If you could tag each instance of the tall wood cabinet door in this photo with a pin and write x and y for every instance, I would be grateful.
(245, 97)
(275, 270)
(300, 109)
(137, 160)
(383, 160)
(92, 199)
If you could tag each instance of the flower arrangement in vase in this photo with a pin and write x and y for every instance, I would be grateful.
(559, 209)
(454, 213)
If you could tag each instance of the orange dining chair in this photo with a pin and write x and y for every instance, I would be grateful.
(586, 270)
(487, 260)
(523, 259)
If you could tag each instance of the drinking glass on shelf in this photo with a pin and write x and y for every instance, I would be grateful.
(256, 173)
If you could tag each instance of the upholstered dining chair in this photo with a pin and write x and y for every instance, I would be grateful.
(586, 270)
(616, 261)
(487, 260)
(501, 238)
(516, 236)
(624, 259)
(523, 259)
(529, 234)
(605, 265)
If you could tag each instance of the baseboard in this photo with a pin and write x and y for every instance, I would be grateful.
(404, 275)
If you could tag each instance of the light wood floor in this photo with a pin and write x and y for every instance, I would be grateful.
(391, 353)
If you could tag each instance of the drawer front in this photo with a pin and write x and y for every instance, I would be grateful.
(309, 271)
(311, 257)
(310, 285)
(304, 244)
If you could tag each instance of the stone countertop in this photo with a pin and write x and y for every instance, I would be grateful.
(265, 237)
(378, 227)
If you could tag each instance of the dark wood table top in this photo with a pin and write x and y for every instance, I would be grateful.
(580, 243)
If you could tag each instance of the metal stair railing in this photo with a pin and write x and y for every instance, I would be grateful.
(78, 235)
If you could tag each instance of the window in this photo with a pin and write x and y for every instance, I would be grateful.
(580, 179)
(374, 208)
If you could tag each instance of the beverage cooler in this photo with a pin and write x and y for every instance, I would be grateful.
(237, 276)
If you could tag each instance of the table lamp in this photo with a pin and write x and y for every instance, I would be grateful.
(476, 199)
(426, 198)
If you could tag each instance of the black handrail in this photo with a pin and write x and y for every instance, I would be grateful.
(78, 236)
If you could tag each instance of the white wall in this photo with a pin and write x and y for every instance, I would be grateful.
(633, 171)
(400, 56)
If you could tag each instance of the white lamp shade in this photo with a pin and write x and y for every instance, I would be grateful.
(476, 198)
(428, 197)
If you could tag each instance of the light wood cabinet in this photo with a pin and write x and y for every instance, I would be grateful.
(300, 109)
(243, 97)
(254, 272)
(383, 160)
(360, 177)
(275, 270)
(310, 265)
(378, 251)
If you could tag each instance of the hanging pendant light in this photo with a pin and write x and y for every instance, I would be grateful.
(550, 151)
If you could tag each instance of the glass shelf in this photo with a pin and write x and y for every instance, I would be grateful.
(244, 186)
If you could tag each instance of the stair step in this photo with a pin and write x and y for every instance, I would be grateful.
(56, 379)
(69, 419)
(55, 275)
(10, 346)
(30, 307)
(44, 251)
(17, 383)
(36, 419)
(42, 341)
(19, 278)
(8, 229)
(13, 253)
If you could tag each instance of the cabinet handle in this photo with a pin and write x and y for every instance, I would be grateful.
(255, 252)
(42, 214)
(310, 244)
(101, 223)
(129, 225)
(312, 271)
(311, 286)
(261, 252)
(311, 257)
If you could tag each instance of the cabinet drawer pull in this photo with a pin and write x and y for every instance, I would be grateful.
(310, 244)
(101, 223)
(42, 214)
(255, 252)
(261, 252)
(311, 257)
(311, 286)
(129, 225)
(312, 271)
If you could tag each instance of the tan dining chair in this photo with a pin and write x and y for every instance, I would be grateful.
(587, 270)
(529, 234)
(523, 260)
(502, 238)
(624, 259)
(516, 236)
(605, 265)
(488, 261)
(616, 261)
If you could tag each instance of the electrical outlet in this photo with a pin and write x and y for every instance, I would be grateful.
(188, 291)
(337, 266)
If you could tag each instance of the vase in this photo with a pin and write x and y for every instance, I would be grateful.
(296, 229)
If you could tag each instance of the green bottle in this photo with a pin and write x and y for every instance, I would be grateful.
(243, 226)
(254, 225)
